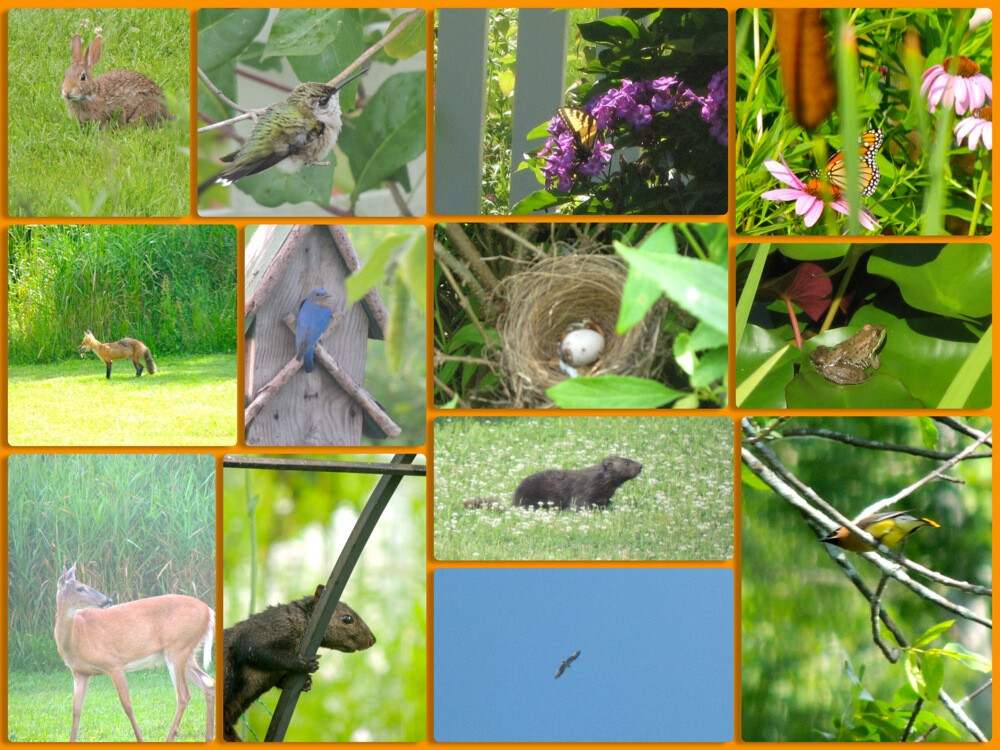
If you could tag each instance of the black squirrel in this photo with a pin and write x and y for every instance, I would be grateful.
(261, 652)
(565, 489)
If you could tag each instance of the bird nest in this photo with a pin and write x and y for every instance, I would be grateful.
(551, 298)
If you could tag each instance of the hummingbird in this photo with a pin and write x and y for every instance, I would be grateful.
(299, 130)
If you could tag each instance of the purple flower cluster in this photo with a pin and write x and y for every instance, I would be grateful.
(715, 106)
(634, 103)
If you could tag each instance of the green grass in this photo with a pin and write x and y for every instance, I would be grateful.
(679, 508)
(40, 708)
(58, 167)
(190, 401)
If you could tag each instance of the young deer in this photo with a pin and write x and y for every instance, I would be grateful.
(94, 638)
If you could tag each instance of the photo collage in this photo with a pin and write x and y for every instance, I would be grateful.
(561, 338)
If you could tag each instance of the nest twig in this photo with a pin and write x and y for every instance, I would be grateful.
(544, 302)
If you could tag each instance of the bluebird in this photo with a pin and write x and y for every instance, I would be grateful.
(314, 317)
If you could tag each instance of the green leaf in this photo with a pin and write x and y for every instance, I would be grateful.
(413, 269)
(972, 372)
(371, 272)
(538, 201)
(954, 280)
(304, 32)
(710, 368)
(412, 40)
(932, 633)
(705, 337)
(390, 131)
(223, 34)
(311, 60)
(763, 369)
(612, 30)
(611, 392)
(751, 480)
(505, 79)
(932, 666)
(969, 658)
(697, 286)
(749, 293)
(272, 187)
(641, 292)
(928, 432)
(913, 674)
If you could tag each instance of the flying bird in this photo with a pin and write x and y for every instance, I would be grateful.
(565, 664)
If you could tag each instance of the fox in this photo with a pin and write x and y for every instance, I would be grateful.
(123, 349)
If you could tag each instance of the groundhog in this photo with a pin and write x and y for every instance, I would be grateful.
(565, 489)
(260, 652)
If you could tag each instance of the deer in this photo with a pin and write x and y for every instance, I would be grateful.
(94, 637)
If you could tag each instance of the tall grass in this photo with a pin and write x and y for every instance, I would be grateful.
(138, 525)
(172, 287)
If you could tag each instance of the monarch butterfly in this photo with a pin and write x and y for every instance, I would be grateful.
(868, 174)
(583, 126)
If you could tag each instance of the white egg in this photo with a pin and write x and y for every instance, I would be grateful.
(581, 347)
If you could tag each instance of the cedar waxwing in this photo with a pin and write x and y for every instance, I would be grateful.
(889, 528)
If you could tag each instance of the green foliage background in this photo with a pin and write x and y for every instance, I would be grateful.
(171, 287)
(682, 262)
(60, 167)
(300, 522)
(317, 44)
(930, 185)
(934, 300)
(137, 525)
(803, 621)
(680, 507)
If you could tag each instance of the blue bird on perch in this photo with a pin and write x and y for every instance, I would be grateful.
(314, 316)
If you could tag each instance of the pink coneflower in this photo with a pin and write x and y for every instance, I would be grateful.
(810, 197)
(981, 16)
(967, 89)
(978, 125)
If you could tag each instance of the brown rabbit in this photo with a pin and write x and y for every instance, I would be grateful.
(120, 96)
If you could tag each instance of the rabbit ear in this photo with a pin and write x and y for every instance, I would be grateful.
(77, 48)
(93, 53)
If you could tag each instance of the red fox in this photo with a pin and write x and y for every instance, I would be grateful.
(122, 349)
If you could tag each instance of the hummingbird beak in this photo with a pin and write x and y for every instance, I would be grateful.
(341, 85)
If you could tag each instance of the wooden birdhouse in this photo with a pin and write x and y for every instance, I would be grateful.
(285, 405)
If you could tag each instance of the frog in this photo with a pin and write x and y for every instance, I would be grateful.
(847, 362)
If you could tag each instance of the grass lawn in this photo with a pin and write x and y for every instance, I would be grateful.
(680, 507)
(40, 708)
(60, 167)
(190, 401)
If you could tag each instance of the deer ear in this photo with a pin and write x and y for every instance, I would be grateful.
(319, 590)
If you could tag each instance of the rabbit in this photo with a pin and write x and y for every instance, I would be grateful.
(120, 96)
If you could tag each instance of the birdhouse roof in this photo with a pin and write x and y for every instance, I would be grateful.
(273, 246)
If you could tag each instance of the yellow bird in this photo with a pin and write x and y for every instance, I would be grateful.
(889, 528)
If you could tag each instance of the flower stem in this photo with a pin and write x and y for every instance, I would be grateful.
(980, 188)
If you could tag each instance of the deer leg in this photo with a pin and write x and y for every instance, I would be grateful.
(183, 692)
(80, 682)
(117, 676)
(207, 685)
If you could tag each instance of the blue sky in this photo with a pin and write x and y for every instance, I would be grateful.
(656, 661)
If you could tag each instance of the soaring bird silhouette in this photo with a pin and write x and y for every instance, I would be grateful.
(565, 664)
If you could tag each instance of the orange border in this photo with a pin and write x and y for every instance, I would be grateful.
(428, 221)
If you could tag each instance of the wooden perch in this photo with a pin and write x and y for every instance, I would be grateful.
(345, 381)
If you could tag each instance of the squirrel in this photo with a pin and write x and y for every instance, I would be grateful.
(261, 652)
(565, 489)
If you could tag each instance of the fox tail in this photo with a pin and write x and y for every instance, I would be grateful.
(150, 364)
